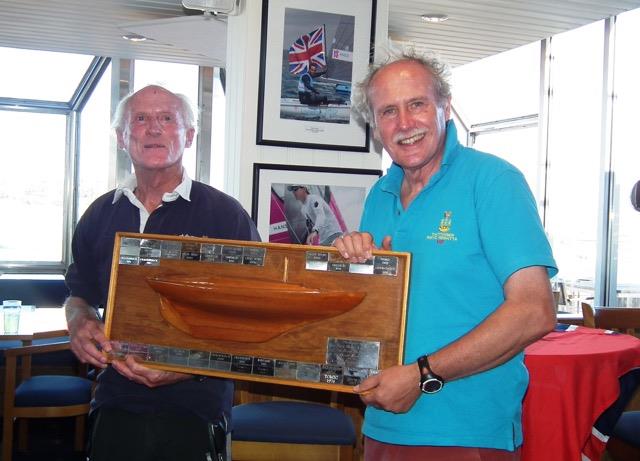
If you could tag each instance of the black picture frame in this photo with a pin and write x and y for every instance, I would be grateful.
(277, 213)
(349, 29)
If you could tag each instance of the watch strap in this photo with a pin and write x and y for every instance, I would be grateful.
(428, 376)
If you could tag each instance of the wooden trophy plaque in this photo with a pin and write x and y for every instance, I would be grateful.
(285, 314)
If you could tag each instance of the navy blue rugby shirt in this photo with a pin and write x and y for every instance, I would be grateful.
(208, 213)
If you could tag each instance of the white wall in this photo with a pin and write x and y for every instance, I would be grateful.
(243, 53)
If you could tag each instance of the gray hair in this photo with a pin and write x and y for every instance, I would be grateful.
(438, 69)
(188, 112)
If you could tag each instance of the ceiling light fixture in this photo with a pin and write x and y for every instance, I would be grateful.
(434, 17)
(134, 37)
(215, 7)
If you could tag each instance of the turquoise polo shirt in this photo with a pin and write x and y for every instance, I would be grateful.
(468, 230)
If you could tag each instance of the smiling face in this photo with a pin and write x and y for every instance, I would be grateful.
(410, 121)
(154, 132)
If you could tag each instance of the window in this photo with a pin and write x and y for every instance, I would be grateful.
(25, 81)
(574, 153)
(96, 136)
(498, 98)
(32, 174)
(218, 108)
(499, 87)
(518, 146)
(62, 128)
(624, 220)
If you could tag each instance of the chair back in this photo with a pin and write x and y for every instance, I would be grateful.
(622, 319)
(288, 424)
(588, 320)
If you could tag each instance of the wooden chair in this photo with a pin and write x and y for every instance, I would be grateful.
(624, 441)
(621, 319)
(44, 396)
(285, 424)
(588, 319)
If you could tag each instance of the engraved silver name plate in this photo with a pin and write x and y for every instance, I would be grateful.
(326, 262)
(353, 353)
(150, 252)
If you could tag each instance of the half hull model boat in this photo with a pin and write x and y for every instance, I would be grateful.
(245, 310)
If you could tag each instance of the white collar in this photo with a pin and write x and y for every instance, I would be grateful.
(128, 186)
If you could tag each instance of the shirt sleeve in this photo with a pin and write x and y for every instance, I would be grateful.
(510, 228)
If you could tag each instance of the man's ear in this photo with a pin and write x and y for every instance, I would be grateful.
(447, 109)
(376, 133)
(120, 137)
(191, 132)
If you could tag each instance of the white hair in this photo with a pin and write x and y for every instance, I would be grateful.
(438, 69)
(189, 115)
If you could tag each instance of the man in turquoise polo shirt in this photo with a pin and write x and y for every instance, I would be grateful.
(479, 287)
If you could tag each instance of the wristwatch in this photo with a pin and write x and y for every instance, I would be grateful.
(430, 383)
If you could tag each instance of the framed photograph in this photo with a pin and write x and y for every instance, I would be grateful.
(311, 56)
(308, 205)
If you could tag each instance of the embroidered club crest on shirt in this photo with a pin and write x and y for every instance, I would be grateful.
(444, 227)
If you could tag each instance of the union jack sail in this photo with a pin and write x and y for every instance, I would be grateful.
(306, 50)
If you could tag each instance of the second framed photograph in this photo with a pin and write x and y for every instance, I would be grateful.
(311, 56)
(308, 205)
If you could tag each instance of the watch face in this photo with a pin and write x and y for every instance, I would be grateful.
(432, 385)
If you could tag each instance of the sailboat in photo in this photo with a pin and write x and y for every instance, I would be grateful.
(323, 83)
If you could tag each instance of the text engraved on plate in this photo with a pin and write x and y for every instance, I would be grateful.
(220, 361)
(308, 372)
(178, 356)
(232, 254)
(119, 349)
(385, 265)
(199, 359)
(129, 251)
(171, 249)
(362, 268)
(316, 260)
(150, 252)
(354, 376)
(211, 253)
(263, 367)
(159, 354)
(338, 264)
(242, 364)
(286, 369)
(191, 251)
(253, 256)
(353, 353)
(331, 374)
(140, 351)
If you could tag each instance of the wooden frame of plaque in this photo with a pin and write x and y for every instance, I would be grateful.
(285, 314)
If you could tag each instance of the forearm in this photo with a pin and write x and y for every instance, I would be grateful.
(77, 309)
(526, 315)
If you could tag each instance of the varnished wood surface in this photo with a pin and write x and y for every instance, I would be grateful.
(210, 307)
(133, 313)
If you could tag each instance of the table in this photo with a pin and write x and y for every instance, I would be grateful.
(574, 378)
(37, 323)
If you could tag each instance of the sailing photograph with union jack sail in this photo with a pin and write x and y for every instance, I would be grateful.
(317, 66)
(312, 54)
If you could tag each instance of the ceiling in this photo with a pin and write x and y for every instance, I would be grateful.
(476, 28)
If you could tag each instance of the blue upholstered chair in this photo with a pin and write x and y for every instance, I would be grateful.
(45, 396)
(267, 430)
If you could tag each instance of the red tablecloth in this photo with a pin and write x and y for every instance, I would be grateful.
(573, 379)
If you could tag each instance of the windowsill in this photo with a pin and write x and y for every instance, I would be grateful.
(31, 277)
(569, 318)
